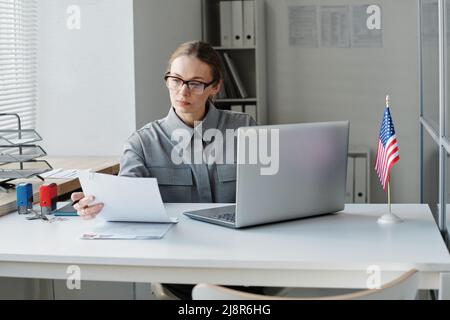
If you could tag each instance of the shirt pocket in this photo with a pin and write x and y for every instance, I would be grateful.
(226, 184)
(175, 184)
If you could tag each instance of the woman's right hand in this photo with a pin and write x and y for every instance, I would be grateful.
(86, 208)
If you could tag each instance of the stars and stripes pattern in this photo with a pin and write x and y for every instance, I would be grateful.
(387, 153)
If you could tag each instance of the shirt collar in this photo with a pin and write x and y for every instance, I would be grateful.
(172, 122)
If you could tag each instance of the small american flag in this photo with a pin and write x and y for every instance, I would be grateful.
(387, 153)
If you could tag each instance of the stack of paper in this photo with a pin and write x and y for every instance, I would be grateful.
(60, 174)
(127, 231)
(126, 199)
(133, 207)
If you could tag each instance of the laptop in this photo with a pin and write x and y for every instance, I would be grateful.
(310, 181)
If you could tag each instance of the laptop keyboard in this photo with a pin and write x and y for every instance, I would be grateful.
(229, 217)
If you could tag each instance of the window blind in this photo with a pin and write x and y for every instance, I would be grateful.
(18, 62)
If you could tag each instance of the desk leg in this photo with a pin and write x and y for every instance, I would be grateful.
(444, 286)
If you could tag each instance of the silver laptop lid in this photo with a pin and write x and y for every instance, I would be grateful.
(310, 178)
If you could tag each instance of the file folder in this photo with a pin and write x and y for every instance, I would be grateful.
(234, 74)
(236, 108)
(360, 180)
(66, 210)
(249, 23)
(225, 24)
(349, 190)
(227, 85)
(237, 23)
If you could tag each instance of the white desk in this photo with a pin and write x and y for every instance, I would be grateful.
(328, 251)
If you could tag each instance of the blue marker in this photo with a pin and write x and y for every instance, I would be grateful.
(24, 192)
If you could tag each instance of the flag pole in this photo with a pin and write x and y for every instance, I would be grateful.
(389, 195)
(389, 218)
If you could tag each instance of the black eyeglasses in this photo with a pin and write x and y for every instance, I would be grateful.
(194, 86)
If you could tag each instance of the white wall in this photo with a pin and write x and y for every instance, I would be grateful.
(86, 90)
(160, 26)
(321, 84)
(88, 76)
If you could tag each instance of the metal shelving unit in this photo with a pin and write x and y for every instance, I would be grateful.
(18, 154)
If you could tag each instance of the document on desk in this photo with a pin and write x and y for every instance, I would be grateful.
(60, 174)
(126, 199)
(127, 231)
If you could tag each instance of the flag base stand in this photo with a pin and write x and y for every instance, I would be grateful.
(389, 218)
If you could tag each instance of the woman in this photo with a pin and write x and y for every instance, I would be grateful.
(193, 78)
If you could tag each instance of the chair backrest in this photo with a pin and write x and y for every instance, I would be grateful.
(402, 288)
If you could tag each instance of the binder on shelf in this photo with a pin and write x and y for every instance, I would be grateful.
(237, 23)
(360, 180)
(236, 108)
(251, 110)
(228, 86)
(349, 189)
(249, 23)
(225, 24)
(235, 76)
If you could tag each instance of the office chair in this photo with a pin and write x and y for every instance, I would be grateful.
(404, 287)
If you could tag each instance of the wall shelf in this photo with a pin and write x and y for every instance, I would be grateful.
(249, 60)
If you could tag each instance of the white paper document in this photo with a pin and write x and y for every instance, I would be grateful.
(126, 199)
(335, 26)
(303, 29)
(127, 231)
(60, 174)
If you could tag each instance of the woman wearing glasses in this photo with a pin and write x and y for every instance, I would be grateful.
(193, 78)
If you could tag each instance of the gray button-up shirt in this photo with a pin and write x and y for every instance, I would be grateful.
(148, 153)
